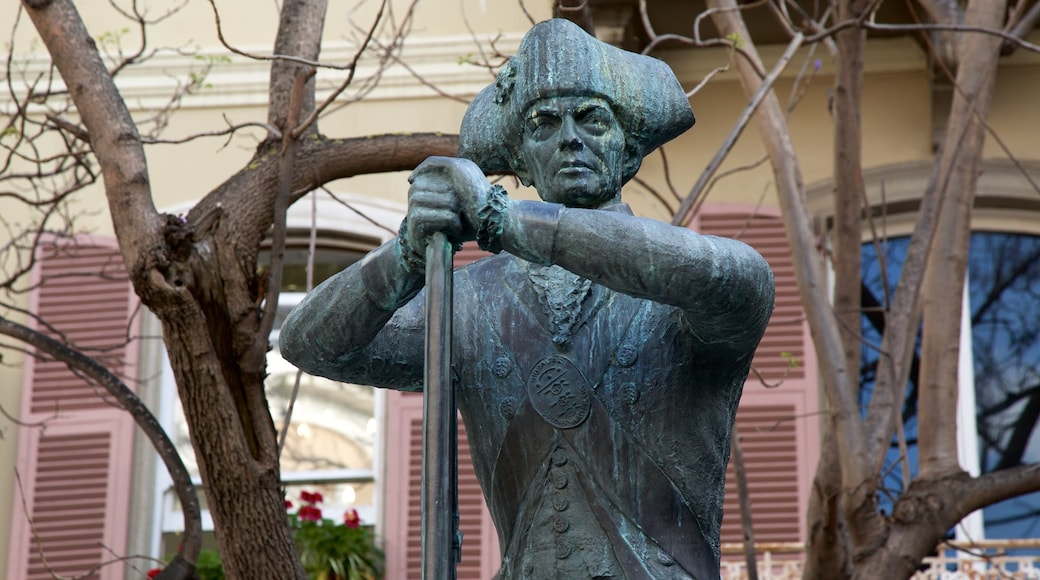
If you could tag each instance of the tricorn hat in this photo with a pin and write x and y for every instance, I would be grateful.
(557, 58)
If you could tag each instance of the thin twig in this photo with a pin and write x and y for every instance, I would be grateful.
(352, 67)
(767, 84)
(881, 27)
(283, 57)
(361, 214)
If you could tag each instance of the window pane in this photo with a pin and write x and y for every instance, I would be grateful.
(1005, 310)
(882, 265)
(337, 498)
(1004, 293)
(333, 424)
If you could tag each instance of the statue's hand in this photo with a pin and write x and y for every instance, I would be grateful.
(465, 180)
(433, 205)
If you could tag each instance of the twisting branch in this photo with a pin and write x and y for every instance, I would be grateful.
(183, 565)
(229, 132)
(882, 27)
(361, 214)
(682, 215)
(1022, 27)
(735, 42)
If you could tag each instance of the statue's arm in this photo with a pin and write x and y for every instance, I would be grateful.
(724, 287)
(361, 325)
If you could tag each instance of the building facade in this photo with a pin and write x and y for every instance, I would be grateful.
(77, 478)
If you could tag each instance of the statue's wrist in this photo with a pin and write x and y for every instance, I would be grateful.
(388, 281)
(491, 217)
(531, 230)
(414, 261)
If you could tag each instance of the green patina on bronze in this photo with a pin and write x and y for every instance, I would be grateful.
(599, 357)
(556, 58)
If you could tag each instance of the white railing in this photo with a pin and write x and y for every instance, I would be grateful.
(981, 560)
(776, 561)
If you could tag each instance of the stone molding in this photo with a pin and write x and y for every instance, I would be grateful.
(237, 81)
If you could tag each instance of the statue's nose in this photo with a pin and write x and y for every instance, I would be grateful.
(570, 138)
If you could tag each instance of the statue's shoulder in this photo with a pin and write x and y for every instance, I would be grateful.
(490, 267)
(487, 272)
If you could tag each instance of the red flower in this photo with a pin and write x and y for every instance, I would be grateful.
(311, 498)
(288, 505)
(309, 513)
(152, 573)
(351, 518)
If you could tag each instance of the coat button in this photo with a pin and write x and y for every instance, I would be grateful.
(626, 355)
(560, 524)
(560, 503)
(629, 393)
(508, 407)
(664, 558)
(502, 367)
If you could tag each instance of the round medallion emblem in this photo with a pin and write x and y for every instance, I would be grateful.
(559, 392)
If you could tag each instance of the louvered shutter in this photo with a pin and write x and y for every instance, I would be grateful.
(403, 527)
(776, 419)
(74, 471)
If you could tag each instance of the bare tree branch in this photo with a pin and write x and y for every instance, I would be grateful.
(763, 90)
(1022, 27)
(848, 430)
(114, 136)
(183, 566)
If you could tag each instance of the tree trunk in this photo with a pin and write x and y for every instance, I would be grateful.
(231, 429)
(827, 544)
(935, 502)
(857, 500)
(956, 179)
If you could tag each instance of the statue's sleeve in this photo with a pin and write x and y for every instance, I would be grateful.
(723, 286)
(364, 325)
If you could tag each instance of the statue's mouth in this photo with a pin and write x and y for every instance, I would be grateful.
(576, 166)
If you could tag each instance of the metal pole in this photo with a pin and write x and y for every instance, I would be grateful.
(440, 543)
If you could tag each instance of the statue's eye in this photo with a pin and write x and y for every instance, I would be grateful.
(595, 121)
(542, 126)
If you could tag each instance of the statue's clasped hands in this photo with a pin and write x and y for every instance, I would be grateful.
(446, 194)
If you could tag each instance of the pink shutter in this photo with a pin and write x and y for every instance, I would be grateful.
(71, 506)
(768, 438)
(480, 559)
(776, 419)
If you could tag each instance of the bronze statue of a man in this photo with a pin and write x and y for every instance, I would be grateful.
(599, 357)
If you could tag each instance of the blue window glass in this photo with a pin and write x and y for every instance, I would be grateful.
(1004, 295)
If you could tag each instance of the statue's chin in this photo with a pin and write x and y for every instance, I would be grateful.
(582, 197)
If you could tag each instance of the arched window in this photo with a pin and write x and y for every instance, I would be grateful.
(999, 384)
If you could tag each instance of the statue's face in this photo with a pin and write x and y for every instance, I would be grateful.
(573, 150)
